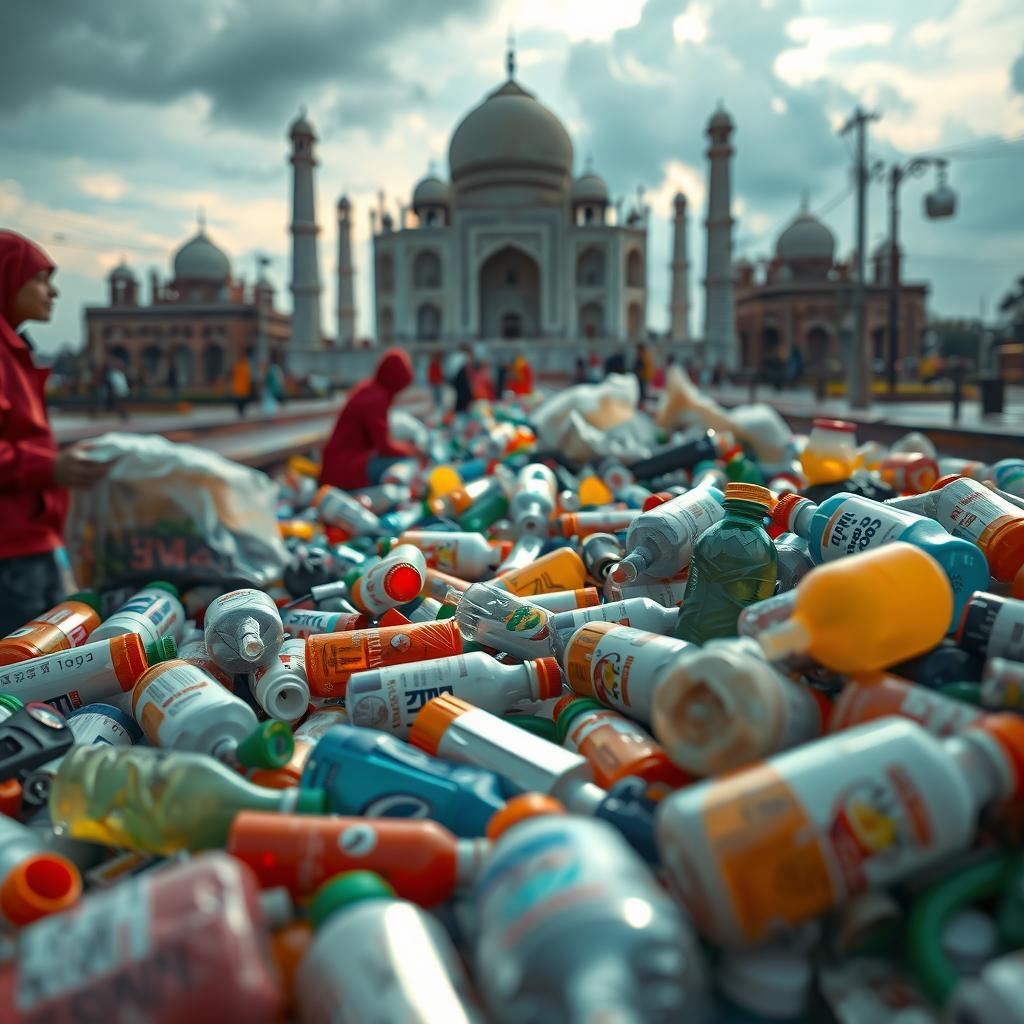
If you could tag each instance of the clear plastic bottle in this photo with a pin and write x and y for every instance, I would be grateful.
(861, 809)
(243, 630)
(734, 565)
(338, 508)
(281, 688)
(831, 452)
(358, 912)
(154, 612)
(661, 541)
(390, 698)
(493, 617)
(534, 500)
(574, 927)
(159, 801)
(795, 560)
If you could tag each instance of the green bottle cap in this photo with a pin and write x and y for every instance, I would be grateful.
(542, 727)
(385, 544)
(89, 597)
(269, 745)
(10, 702)
(573, 709)
(446, 611)
(487, 509)
(164, 585)
(310, 801)
(471, 646)
(163, 649)
(345, 889)
(969, 693)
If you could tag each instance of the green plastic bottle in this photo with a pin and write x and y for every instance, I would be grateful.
(734, 564)
(159, 801)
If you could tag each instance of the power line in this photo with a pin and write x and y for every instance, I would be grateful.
(994, 145)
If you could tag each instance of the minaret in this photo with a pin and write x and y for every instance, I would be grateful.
(346, 295)
(680, 291)
(719, 300)
(306, 334)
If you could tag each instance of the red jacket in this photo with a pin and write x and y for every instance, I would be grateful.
(361, 430)
(32, 507)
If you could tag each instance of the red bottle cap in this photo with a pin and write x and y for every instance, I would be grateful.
(403, 582)
(843, 425)
(44, 883)
(656, 499)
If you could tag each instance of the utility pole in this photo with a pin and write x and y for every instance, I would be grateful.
(859, 375)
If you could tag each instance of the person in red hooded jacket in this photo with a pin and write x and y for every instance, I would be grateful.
(33, 475)
(360, 448)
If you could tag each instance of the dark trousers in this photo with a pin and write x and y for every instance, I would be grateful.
(29, 586)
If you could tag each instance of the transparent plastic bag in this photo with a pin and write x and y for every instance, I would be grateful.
(173, 512)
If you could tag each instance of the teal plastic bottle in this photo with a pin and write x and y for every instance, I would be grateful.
(734, 564)
(846, 524)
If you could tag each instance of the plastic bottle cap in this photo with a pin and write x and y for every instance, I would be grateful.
(569, 708)
(769, 981)
(749, 492)
(12, 703)
(788, 637)
(10, 797)
(269, 745)
(42, 884)
(251, 646)
(403, 582)
(344, 889)
(654, 500)
(781, 514)
(970, 939)
(843, 425)
(86, 597)
(522, 808)
(549, 678)
(433, 719)
(944, 480)
(1008, 730)
(163, 649)
(164, 585)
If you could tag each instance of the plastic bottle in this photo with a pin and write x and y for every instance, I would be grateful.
(281, 688)
(534, 500)
(301, 623)
(909, 472)
(615, 746)
(831, 452)
(1002, 684)
(865, 613)
(769, 984)
(578, 928)
(180, 707)
(861, 809)
(73, 677)
(992, 627)
(946, 663)
(389, 698)
(34, 880)
(305, 736)
(154, 612)
(846, 524)
(338, 508)
(879, 696)
(996, 996)
(369, 773)
(331, 659)
(458, 499)
(661, 542)
(601, 552)
(422, 860)
(639, 612)
(567, 600)
(64, 626)
(160, 801)
(185, 942)
(486, 509)
(561, 569)
(195, 652)
(602, 520)
(393, 580)
(734, 564)
(1008, 475)
(620, 666)
(722, 707)
(668, 593)
(794, 560)
(706, 448)
(243, 630)
(383, 937)
(490, 616)
(467, 555)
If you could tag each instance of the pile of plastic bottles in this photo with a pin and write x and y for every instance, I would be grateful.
(696, 739)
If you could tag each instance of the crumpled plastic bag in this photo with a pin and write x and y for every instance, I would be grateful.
(173, 512)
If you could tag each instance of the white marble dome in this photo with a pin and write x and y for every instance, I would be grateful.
(200, 260)
(589, 188)
(805, 239)
(430, 191)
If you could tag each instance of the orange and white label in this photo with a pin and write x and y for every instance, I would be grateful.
(973, 512)
(169, 694)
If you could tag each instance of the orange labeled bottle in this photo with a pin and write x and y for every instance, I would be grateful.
(909, 472)
(331, 658)
(601, 520)
(615, 746)
(763, 849)
(561, 569)
(64, 626)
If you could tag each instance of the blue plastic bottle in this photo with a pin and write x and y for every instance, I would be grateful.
(370, 773)
(846, 524)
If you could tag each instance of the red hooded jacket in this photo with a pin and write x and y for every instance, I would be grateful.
(361, 430)
(32, 507)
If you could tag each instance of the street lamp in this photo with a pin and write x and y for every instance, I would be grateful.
(939, 203)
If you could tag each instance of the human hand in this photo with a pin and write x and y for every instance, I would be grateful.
(76, 466)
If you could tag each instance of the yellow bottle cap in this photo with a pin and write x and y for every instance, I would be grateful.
(594, 491)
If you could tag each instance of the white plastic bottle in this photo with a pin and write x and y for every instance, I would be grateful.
(243, 630)
(389, 582)
(153, 612)
(390, 698)
(534, 500)
(281, 688)
(470, 556)
(772, 845)
(338, 508)
(660, 541)
(195, 652)
(638, 612)
(305, 622)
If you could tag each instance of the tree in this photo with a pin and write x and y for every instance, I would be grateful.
(1012, 308)
(958, 338)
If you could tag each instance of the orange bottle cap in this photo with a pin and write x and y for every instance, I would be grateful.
(10, 797)
(568, 522)
(45, 883)
(563, 704)
(783, 508)
(748, 492)
(549, 678)
(947, 479)
(587, 597)
(320, 495)
(1008, 730)
(522, 808)
(433, 719)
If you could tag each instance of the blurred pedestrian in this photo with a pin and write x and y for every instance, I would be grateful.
(241, 384)
(462, 381)
(33, 475)
(520, 378)
(580, 375)
(643, 368)
(435, 378)
(116, 389)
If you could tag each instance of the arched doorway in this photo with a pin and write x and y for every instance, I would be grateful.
(152, 363)
(510, 295)
(426, 270)
(428, 322)
(634, 269)
(184, 365)
(385, 273)
(387, 326)
(592, 320)
(590, 268)
(213, 363)
(819, 345)
(634, 321)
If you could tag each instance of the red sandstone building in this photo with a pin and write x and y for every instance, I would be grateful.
(801, 299)
(201, 322)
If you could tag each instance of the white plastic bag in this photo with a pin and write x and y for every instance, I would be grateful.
(173, 512)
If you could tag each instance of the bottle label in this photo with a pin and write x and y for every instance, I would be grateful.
(171, 697)
(157, 608)
(64, 953)
(602, 721)
(993, 627)
(390, 699)
(302, 623)
(940, 715)
(859, 525)
(973, 512)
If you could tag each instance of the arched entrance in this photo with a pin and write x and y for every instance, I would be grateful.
(510, 295)
(634, 321)
(592, 320)
(818, 345)
(428, 322)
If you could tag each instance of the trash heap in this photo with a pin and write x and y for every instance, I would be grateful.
(585, 716)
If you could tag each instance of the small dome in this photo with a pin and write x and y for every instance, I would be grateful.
(344, 204)
(122, 272)
(200, 260)
(301, 126)
(806, 239)
(510, 135)
(679, 199)
(589, 188)
(720, 119)
(431, 191)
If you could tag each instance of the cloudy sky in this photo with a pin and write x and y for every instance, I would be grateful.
(119, 119)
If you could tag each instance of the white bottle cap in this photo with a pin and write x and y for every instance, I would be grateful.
(250, 643)
(970, 940)
(772, 982)
(284, 698)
